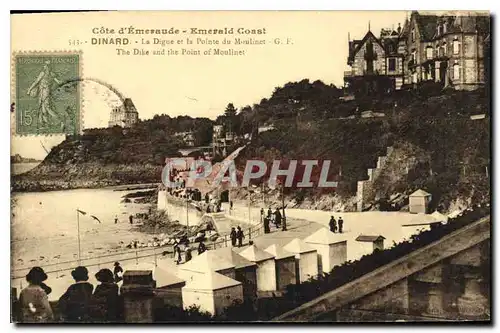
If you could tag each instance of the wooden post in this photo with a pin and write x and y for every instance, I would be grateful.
(225, 240)
(249, 233)
(78, 231)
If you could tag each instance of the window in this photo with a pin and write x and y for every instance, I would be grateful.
(392, 65)
(456, 72)
(444, 27)
(413, 35)
(439, 30)
(456, 46)
(429, 52)
(444, 48)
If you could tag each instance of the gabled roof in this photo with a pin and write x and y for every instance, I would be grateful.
(426, 25)
(253, 253)
(211, 281)
(362, 42)
(369, 238)
(419, 193)
(278, 252)
(207, 262)
(234, 258)
(298, 246)
(324, 236)
(161, 275)
(405, 29)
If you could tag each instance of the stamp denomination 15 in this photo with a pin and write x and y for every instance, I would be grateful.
(47, 93)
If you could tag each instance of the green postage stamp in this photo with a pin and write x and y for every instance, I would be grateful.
(47, 93)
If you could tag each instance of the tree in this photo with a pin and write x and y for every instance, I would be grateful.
(230, 117)
(230, 111)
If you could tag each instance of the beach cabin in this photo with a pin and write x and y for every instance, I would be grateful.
(419, 202)
(373, 242)
(266, 268)
(306, 259)
(285, 266)
(439, 218)
(245, 271)
(205, 263)
(332, 249)
(168, 288)
(212, 292)
(138, 296)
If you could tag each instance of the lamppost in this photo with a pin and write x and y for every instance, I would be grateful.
(187, 212)
(249, 204)
(283, 205)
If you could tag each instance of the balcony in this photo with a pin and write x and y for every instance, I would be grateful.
(348, 73)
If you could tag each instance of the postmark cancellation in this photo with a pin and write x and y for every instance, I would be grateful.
(47, 92)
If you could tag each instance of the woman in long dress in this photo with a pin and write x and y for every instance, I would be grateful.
(41, 87)
(34, 303)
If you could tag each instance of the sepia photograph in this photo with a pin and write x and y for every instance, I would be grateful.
(250, 166)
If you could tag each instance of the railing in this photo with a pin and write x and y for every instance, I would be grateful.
(136, 254)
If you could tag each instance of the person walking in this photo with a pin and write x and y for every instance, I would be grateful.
(232, 235)
(341, 225)
(177, 251)
(33, 300)
(277, 218)
(131, 219)
(189, 256)
(74, 303)
(201, 248)
(266, 225)
(240, 236)
(118, 272)
(269, 212)
(333, 224)
(104, 305)
(116, 219)
(231, 205)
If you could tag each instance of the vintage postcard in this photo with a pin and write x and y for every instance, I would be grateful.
(327, 166)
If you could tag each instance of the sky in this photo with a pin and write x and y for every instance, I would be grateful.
(198, 86)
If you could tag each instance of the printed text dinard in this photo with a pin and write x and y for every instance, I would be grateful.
(175, 31)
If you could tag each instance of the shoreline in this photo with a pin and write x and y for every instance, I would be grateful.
(39, 187)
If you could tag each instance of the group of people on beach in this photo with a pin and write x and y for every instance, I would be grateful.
(183, 243)
(80, 303)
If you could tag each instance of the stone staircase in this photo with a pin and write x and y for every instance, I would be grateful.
(223, 223)
(365, 187)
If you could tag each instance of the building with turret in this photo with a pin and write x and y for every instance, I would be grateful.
(124, 115)
(449, 49)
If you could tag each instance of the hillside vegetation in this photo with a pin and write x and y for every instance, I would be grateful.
(449, 152)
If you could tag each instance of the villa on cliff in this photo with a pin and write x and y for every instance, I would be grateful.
(450, 49)
(124, 115)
